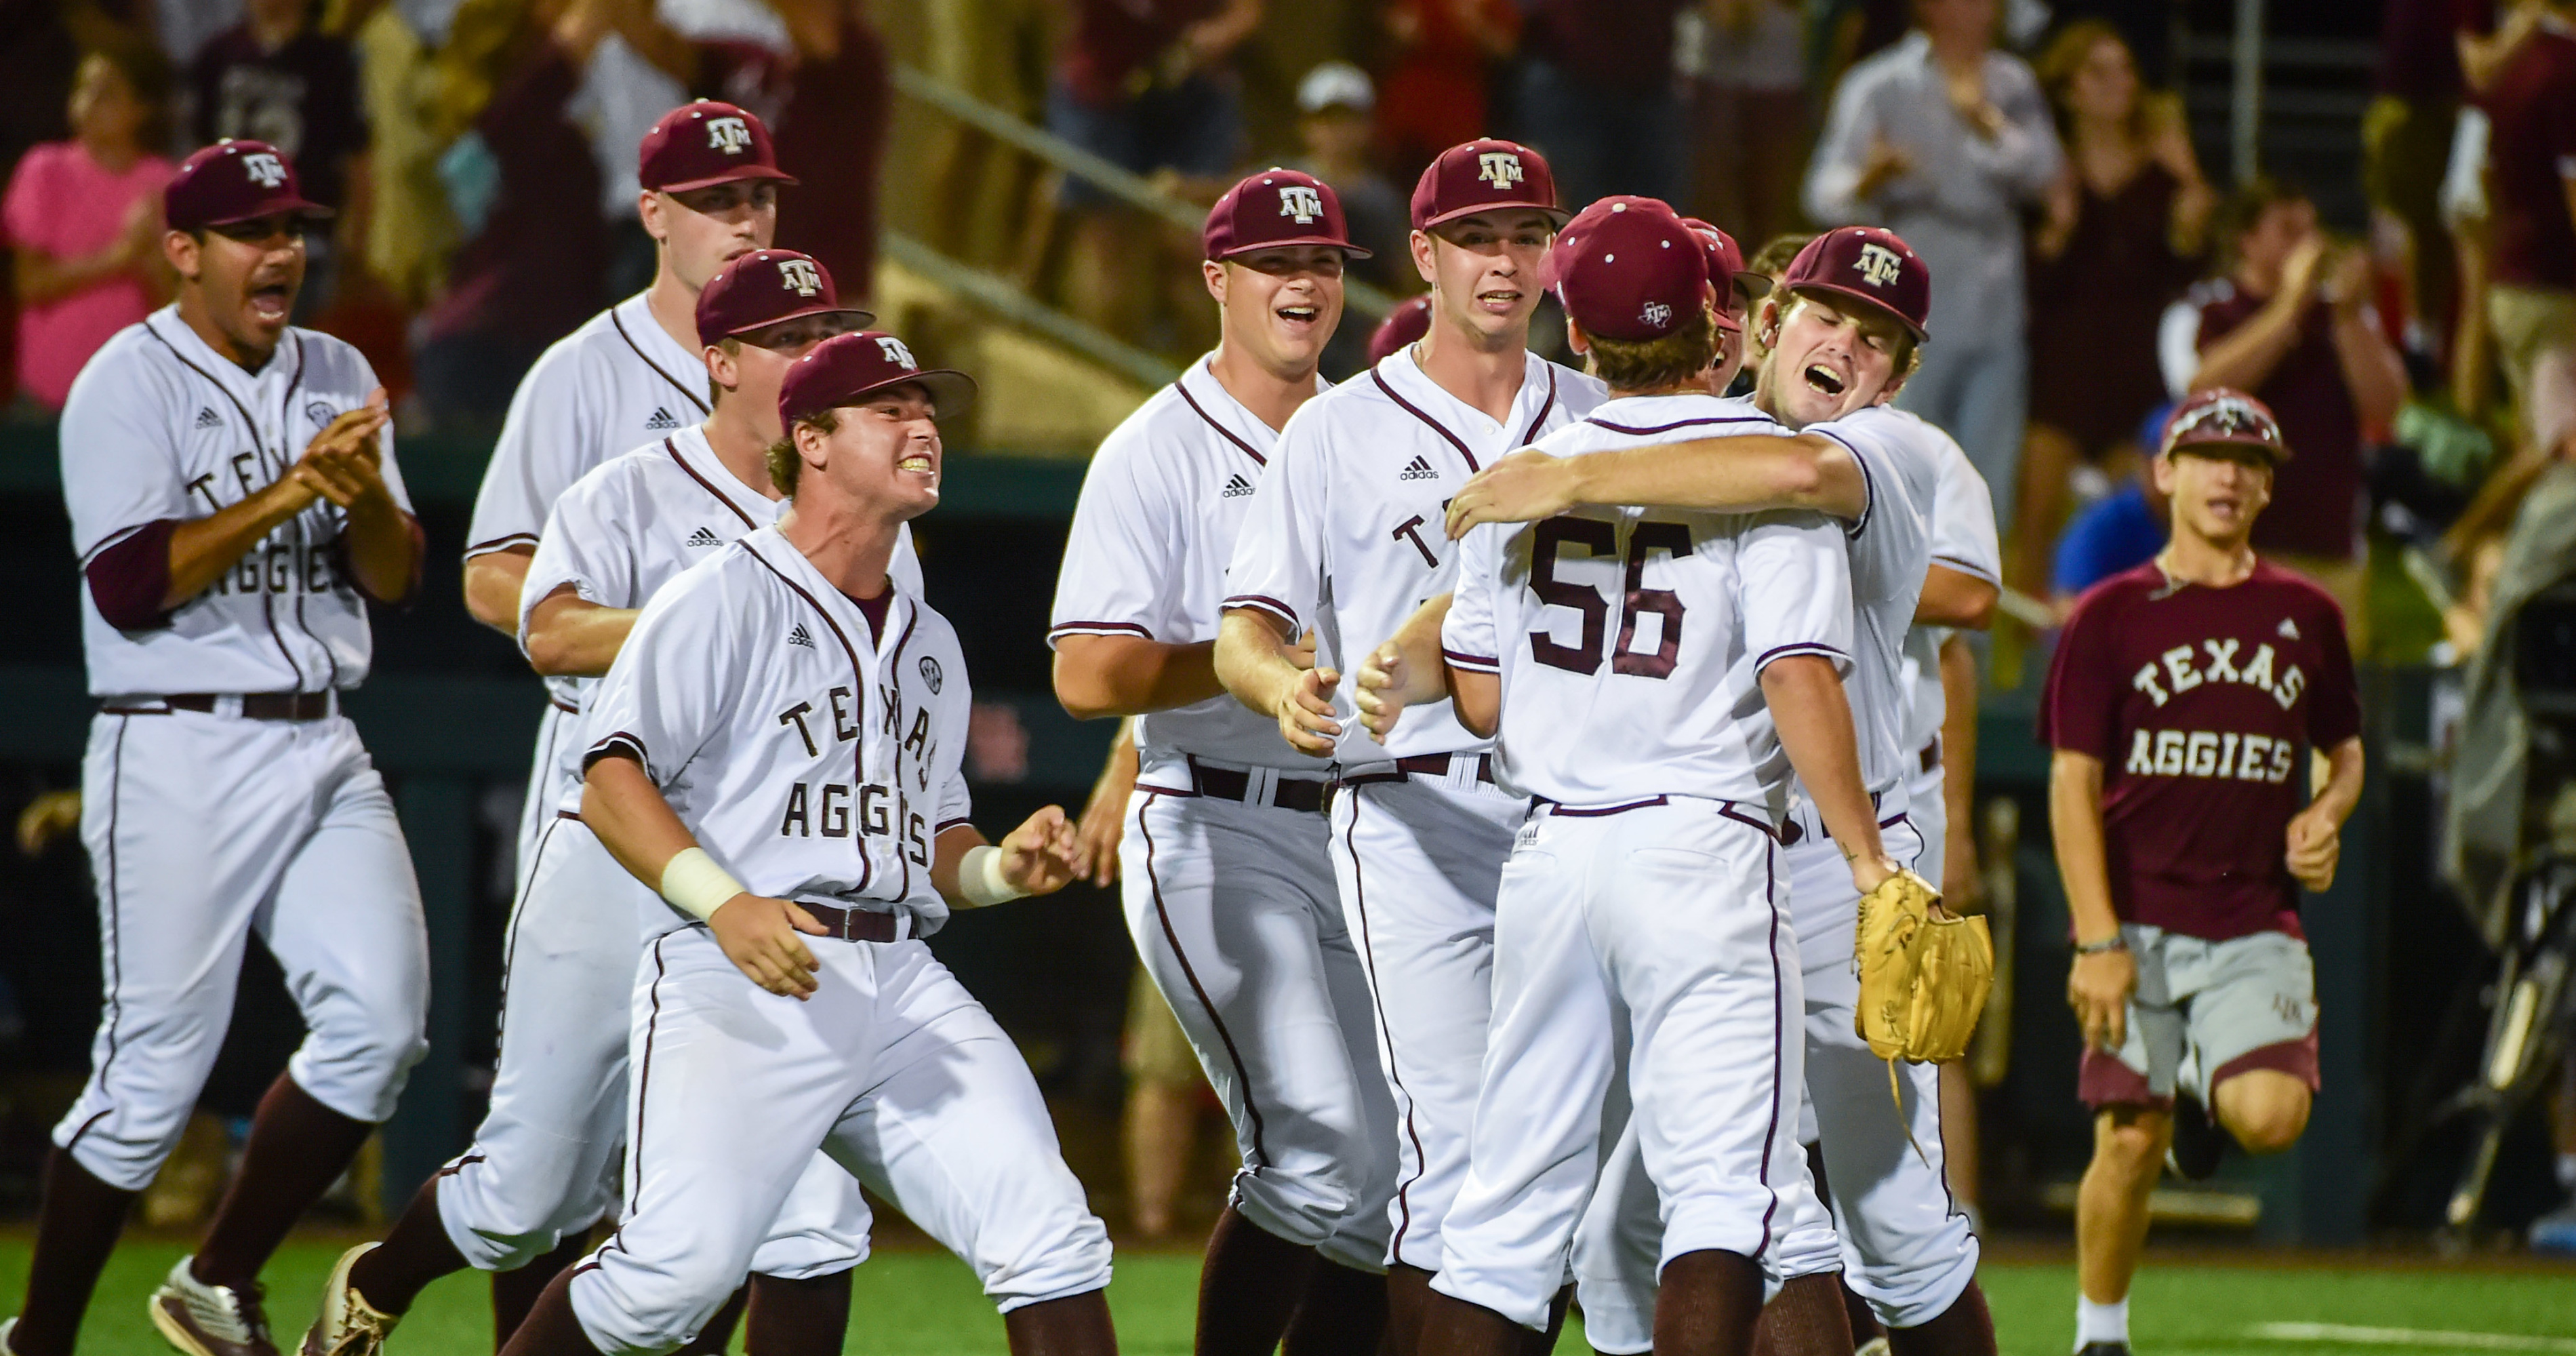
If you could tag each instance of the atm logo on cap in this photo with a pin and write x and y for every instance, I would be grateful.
(1302, 203)
(800, 276)
(896, 353)
(728, 134)
(1878, 265)
(264, 169)
(1502, 169)
(1656, 315)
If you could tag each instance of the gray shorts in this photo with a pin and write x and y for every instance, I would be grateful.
(2244, 1003)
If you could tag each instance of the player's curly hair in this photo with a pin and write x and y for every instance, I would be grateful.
(1656, 364)
(785, 462)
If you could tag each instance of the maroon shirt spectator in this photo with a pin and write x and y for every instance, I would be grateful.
(2418, 60)
(1610, 42)
(1114, 41)
(2201, 704)
(272, 78)
(827, 104)
(2531, 156)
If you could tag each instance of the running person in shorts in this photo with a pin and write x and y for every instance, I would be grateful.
(785, 712)
(2184, 705)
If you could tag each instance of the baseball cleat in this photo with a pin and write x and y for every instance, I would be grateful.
(209, 1320)
(2198, 1142)
(7, 1327)
(348, 1326)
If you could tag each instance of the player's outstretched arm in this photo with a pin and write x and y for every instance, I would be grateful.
(1735, 474)
(1405, 671)
(2100, 982)
(1267, 673)
(1098, 676)
(570, 636)
(1037, 858)
(2316, 833)
(1814, 718)
(623, 806)
(1956, 598)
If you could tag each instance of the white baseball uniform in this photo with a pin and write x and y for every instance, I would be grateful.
(1629, 645)
(618, 382)
(206, 825)
(1963, 539)
(543, 1161)
(816, 760)
(1347, 537)
(1228, 887)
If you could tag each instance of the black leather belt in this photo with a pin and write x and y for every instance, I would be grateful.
(1424, 765)
(1932, 756)
(855, 925)
(254, 705)
(1287, 793)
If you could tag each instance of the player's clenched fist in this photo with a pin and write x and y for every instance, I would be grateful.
(1380, 695)
(1522, 488)
(2098, 988)
(1041, 856)
(1305, 712)
(2315, 846)
(758, 935)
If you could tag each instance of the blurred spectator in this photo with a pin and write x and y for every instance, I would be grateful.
(2146, 28)
(183, 27)
(2531, 164)
(2406, 140)
(1747, 64)
(2127, 222)
(83, 218)
(2119, 531)
(273, 78)
(1596, 97)
(1946, 141)
(2292, 323)
(1334, 102)
(523, 186)
(1436, 87)
(827, 92)
(1148, 86)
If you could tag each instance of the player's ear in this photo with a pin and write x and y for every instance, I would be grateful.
(1575, 338)
(1424, 256)
(2161, 467)
(182, 249)
(648, 209)
(1214, 271)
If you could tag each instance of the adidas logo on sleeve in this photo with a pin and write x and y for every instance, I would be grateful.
(207, 418)
(661, 422)
(1421, 469)
(703, 537)
(798, 635)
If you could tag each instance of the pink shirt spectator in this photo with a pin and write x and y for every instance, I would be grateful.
(66, 204)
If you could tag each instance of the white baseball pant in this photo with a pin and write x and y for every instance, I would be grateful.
(1236, 918)
(891, 1067)
(1925, 805)
(545, 1160)
(545, 787)
(1669, 908)
(201, 829)
(1418, 858)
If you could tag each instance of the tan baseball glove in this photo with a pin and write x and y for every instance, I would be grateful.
(1923, 976)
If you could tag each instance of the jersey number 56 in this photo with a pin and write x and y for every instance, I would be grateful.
(1601, 540)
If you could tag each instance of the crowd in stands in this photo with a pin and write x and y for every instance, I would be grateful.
(2087, 271)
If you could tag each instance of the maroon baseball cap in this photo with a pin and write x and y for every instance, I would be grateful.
(1410, 320)
(765, 287)
(1868, 264)
(2223, 414)
(1725, 267)
(704, 143)
(1277, 207)
(1627, 269)
(234, 181)
(847, 368)
(1484, 176)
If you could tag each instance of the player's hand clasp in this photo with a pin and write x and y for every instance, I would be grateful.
(1380, 695)
(1305, 712)
(758, 935)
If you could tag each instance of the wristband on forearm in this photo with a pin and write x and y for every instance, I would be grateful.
(980, 881)
(695, 885)
(2117, 941)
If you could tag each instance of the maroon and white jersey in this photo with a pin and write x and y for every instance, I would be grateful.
(1631, 642)
(2200, 703)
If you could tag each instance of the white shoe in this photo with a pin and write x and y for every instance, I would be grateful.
(209, 1320)
(349, 1326)
(7, 1326)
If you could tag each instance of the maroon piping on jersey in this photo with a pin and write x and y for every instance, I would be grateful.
(1385, 1034)
(672, 446)
(859, 675)
(643, 1087)
(1179, 385)
(1599, 422)
(1263, 603)
(1779, 1034)
(647, 359)
(1172, 937)
(115, 936)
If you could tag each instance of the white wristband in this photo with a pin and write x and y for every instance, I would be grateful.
(696, 885)
(980, 880)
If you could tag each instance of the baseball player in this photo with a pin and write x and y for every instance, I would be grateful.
(1655, 676)
(233, 495)
(785, 712)
(629, 376)
(2183, 705)
(541, 1167)
(1838, 338)
(1344, 540)
(1228, 887)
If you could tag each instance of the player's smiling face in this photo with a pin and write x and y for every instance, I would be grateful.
(2216, 490)
(883, 454)
(1483, 269)
(243, 277)
(703, 229)
(1825, 360)
(1280, 305)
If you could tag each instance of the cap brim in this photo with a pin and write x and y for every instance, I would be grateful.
(1347, 248)
(865, 319)
(746, 172)
(275, 207)
(1557, 215)
(2276, 453)
(1754, 286)
(1855, 294)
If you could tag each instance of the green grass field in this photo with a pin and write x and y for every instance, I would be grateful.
(920, 1303)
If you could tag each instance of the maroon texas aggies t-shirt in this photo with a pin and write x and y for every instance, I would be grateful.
(2200, 701)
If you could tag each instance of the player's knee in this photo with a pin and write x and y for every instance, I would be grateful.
(2130, 1140)
(2264, 1109)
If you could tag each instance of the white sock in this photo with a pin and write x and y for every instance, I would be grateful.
(2100, 1322)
